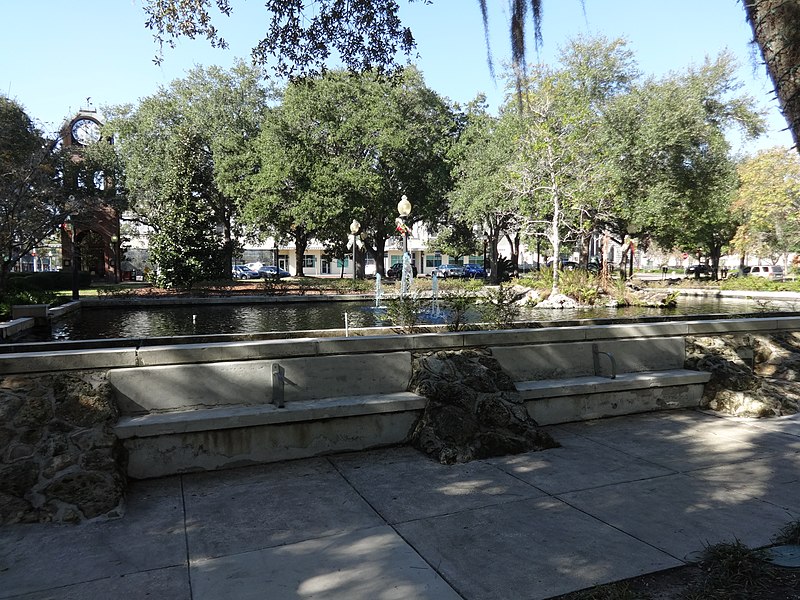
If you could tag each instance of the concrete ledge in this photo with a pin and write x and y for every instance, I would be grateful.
(225, 351)
(230, 417)
(229, 448)
(554, 388)
(584, 407)
(15, 326)
(732, 326)
(48, 362)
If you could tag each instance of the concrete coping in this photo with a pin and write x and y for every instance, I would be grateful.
(51, 359)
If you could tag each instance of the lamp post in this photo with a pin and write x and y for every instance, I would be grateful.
(404, 208)
(354, 227)
(70, 229)
(115, 253)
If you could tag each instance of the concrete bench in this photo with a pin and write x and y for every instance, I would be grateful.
(564, 382)
(178, 418)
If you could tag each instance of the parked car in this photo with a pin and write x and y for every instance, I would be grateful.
(396, 270)
(474, 271)
(566, 265)
(244, 272)
(445, 271)
(698, 270)
(271, 272)
(527, 268)
(774, 272)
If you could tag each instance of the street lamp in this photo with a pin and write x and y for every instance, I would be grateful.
(354, 228)
(404, 208)
(115, 252)
(70, 229)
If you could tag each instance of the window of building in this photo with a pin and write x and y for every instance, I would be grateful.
(396, 259)
(433, 260)
(309, 260)
(474, 260)
(340, 263)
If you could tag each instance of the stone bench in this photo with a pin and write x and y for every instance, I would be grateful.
(563, 382)
(186, 417)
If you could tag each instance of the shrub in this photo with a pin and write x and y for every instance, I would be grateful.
(500, 306)
(405, 311)
(580, 285)
(457, 301)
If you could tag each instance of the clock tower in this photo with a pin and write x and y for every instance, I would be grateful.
(91, 242)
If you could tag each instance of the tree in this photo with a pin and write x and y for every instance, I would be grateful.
(181, 150)
(367, 34)
(768, 200)
(33, 198)
(347, 146)
(483, 196)
(675, 173)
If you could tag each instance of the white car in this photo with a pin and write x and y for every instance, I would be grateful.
(774, 272)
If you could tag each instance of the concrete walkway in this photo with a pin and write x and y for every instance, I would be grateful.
(622, 497)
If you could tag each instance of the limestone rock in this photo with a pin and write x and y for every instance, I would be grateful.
(473, 409)
(751, 375)
(59, 458)
(559, 301)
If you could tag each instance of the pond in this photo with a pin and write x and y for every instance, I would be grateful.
(209, 319)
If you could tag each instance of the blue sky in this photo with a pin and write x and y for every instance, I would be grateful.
(55, 53)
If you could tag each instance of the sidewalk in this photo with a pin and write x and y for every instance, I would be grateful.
(622, 497)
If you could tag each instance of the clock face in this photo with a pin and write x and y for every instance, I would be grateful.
(85, 132)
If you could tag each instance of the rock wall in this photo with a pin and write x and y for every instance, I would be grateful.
(474, 410)
(752, 375)
(59, 458)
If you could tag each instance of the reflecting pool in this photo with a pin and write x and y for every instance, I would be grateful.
(209, 319)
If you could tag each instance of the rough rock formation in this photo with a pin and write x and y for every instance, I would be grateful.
(474, 410)
(59, 458)
(751, 375)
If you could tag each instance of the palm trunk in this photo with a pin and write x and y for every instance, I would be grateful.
(776, 28)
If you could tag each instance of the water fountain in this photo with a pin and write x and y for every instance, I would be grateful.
(435, 311)
(407, 275)
(378, 291)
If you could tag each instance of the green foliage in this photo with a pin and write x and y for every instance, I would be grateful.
(25, 297)
(405, 311)
(46, 280)
(732, 570)
(759, 284)
(33, 199)
(457, 301)
(500, 306)
(181, 149)
(580, 285)
(346, 146)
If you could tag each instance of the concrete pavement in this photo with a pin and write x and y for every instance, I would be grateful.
(620, 498)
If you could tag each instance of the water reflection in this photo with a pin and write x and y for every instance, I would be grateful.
(163, 321)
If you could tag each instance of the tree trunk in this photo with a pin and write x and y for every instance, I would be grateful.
(300, 246)
(776, 28)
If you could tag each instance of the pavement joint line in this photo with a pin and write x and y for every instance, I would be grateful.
(398, 533)
(186, 541)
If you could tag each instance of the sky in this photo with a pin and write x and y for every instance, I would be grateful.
(57, 56)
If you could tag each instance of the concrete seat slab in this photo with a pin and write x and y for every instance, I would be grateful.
(234, 416)
(568, 386)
